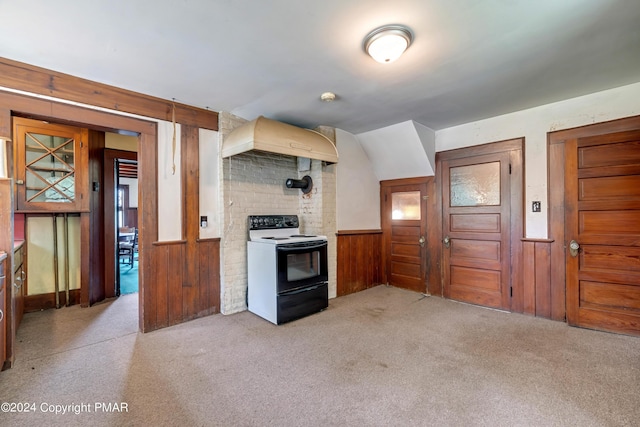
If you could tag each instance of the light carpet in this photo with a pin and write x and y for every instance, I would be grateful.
(381, 357)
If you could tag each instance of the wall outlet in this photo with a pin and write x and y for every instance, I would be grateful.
(536, 206)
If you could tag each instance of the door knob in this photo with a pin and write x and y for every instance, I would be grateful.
(574, 247)
(447, 242)
(421, 241)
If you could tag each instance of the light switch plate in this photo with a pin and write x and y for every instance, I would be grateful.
(536, 206)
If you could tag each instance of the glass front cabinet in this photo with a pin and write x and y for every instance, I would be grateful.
(51, 163)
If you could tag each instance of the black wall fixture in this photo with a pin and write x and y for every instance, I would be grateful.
(305, 184)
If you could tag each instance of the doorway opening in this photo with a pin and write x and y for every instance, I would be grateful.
(121, 205)
(127, 222)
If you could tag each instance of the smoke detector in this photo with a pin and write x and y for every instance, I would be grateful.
(328, 96)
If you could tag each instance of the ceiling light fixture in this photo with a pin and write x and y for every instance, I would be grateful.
(386, 44)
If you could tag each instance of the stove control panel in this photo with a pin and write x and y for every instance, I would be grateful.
(265, 222)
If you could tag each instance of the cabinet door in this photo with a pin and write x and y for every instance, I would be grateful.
(3, 329)
(50, 167)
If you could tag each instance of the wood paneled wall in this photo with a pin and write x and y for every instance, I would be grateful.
(359, 260)
(536, 271)
(180, 288)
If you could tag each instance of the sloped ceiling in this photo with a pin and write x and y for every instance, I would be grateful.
(403, 150)
(470, 59)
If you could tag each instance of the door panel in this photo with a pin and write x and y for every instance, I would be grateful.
(602, 216)
(476, 222)
(404, 232)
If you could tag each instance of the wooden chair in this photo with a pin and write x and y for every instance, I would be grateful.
(126, 245)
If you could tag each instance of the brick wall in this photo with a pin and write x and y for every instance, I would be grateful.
(253, 184)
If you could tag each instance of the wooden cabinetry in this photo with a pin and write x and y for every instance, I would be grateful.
(51, 163)
(3, 311)
(20, 281)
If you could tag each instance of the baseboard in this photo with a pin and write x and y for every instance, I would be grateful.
(47, 301)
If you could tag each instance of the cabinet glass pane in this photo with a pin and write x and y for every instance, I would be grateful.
(405, 205)
(50, 168)
(475, 185)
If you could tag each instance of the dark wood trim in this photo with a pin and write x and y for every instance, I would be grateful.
(517, 225)
(477, 150)
(7, 245)
(29, 78)
(556, 191)
(189, 157)
(350, 232)
(46, 301)
(536, 240)
(208, 240)
(404, 181)
(147, 230)
(96, 216)
(434, 250)
(169, 243)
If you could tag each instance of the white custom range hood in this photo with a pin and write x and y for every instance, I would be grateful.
(263, 134)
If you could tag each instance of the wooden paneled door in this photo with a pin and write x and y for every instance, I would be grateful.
(602, 231)
(481, 223)
(404, 227)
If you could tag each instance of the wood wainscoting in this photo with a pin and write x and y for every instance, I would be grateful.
(359, 260)
(536, 273)
(182, 288)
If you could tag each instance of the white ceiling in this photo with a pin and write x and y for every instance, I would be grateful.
(471, 59)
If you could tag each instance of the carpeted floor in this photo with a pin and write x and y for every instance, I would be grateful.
(129, 278)
(382, 357)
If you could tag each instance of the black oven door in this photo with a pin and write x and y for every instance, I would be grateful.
(301, 265)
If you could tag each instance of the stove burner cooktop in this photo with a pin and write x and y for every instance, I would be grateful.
(278, 229)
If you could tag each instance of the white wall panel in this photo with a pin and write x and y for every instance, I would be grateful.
(210, 173)
(358, 188)
(169, 184)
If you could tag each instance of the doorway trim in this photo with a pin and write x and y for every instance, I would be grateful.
(556, 192)
(28, 106)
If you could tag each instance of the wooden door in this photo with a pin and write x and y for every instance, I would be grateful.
(478, 196)
(404, 225)
(602, 231)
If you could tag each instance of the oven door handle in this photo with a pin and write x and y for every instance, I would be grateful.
(290, 247)
(299, 291)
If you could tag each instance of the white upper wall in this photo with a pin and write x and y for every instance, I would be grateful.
(169, 183)
(210, 179)
(398, 151)
(358, 189)
(534, 124)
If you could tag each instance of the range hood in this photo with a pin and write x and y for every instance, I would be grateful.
(272, 136)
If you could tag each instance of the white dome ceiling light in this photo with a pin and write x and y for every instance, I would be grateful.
(386, 44)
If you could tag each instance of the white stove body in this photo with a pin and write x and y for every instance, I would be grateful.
(286, 270)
